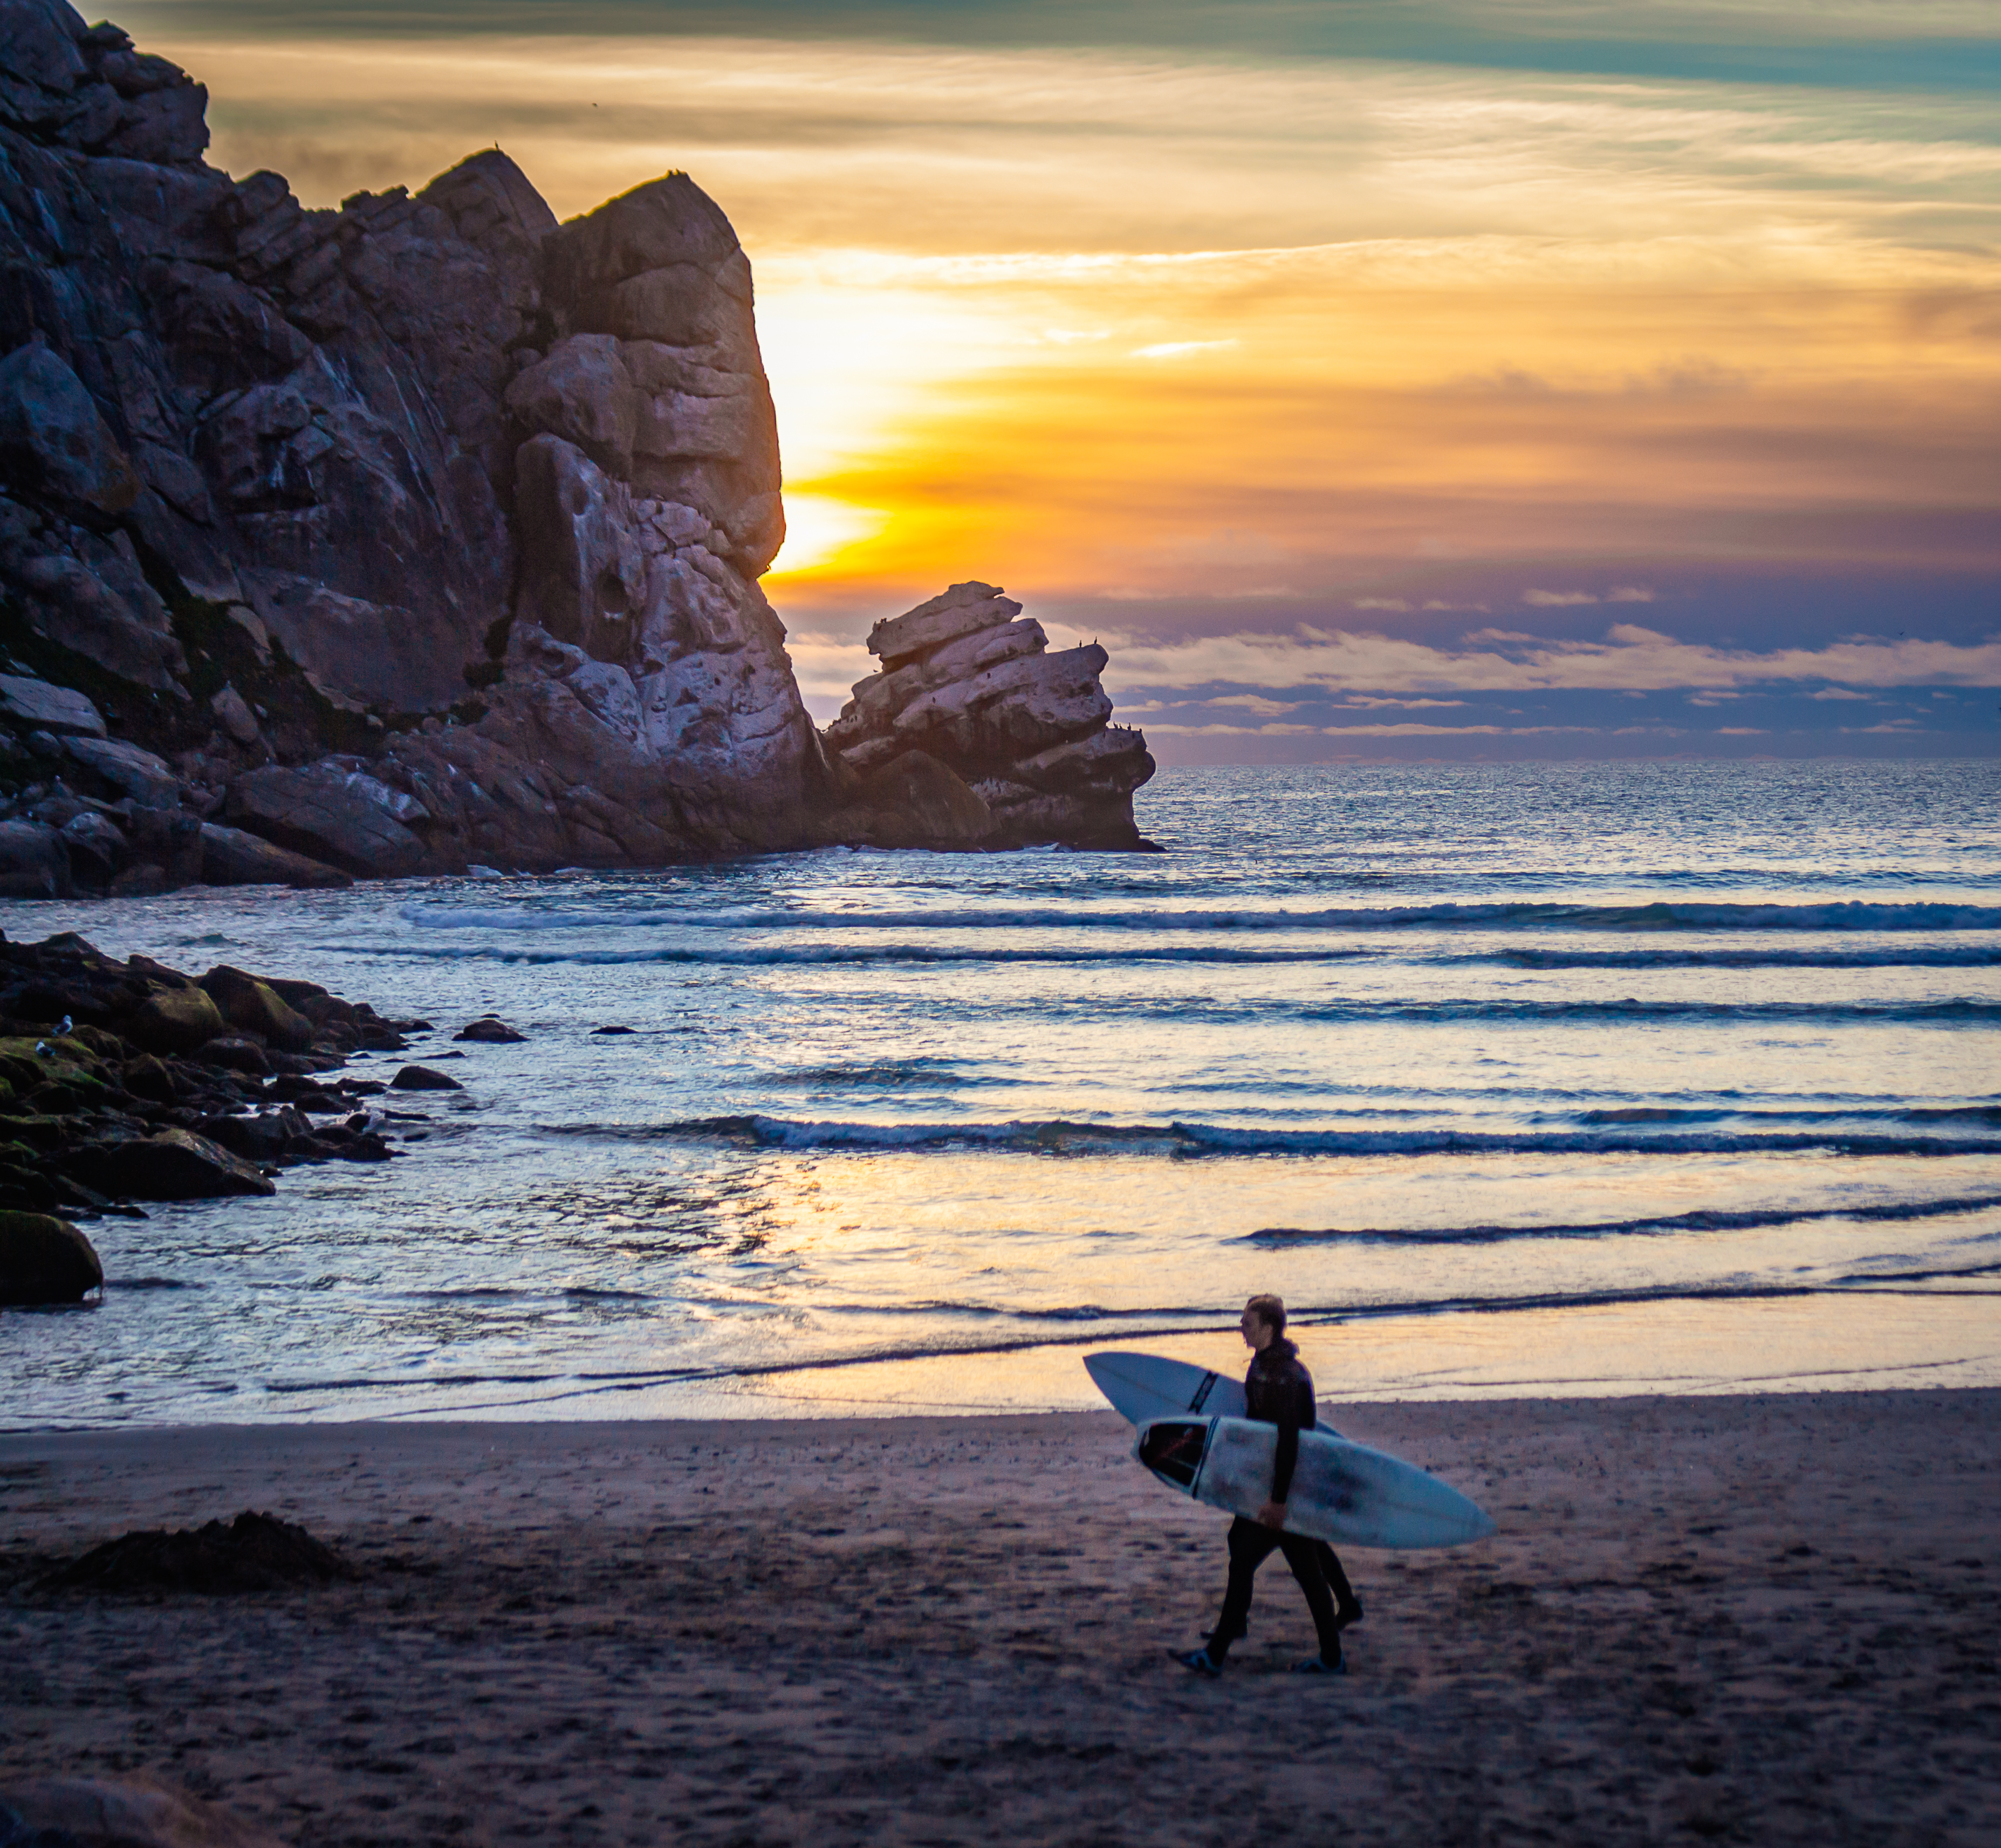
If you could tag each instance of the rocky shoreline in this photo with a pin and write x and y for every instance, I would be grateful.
(122, 1082)
(426, 532)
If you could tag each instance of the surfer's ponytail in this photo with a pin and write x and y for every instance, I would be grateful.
(1269, 1310)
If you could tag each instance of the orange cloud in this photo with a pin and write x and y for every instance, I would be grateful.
(1102, 323)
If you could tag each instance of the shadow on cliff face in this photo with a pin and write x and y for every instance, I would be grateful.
(428, 530)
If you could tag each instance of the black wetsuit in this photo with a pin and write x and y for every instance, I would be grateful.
(1279, 1390)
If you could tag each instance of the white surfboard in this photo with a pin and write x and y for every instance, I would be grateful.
(1340, 1491)
(1147, 1386)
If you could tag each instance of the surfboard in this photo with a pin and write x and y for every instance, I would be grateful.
(1144, 1386)
(1340, 1491)
(1147, 1386)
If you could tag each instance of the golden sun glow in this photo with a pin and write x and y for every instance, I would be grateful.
(1126, 326)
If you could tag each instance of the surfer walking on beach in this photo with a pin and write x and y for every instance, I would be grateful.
(1279, 1390)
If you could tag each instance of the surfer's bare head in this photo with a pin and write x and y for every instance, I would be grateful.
(1263, 1321)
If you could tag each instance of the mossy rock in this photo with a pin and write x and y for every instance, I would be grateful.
(145, 1076)
(65, 1060)
(22, 1071)
(100, 1042)
(253, 1006)
(175, 1020)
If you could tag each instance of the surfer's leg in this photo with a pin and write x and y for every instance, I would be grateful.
(1250, 1546)
(1347, 1605)
(1302, 1556)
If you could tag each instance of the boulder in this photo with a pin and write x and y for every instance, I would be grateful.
(174, 1019)
(147, 780)
(44, 1259)
(354, 648)
(97, 847)
(171, 1164)
(86, 591)
(266, 1139)
(149, 1078)
(421, 1078)
(34, 861)
(233, 714)
(130, 1811)
(170, 839)
(230, 856)
(28, 1190)
(234, 1053)
(36, 705)
(490, 1030)
(315, 812)
(254, 1007)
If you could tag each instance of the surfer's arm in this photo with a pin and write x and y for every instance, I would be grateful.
(1284, 1462)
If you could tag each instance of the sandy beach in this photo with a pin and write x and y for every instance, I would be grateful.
(1762, 1619)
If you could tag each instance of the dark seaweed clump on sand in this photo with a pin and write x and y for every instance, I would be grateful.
(255, 1552)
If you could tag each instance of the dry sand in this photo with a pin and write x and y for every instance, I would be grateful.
(1759, 1620)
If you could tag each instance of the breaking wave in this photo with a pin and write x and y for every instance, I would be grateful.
(1062, 1138)
(1846, 914)
(1708, 1220)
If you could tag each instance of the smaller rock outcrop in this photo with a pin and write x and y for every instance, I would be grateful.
(130, 1080)
(967, 687)
(490, 1029)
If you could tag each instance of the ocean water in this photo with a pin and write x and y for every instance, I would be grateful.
(1522, 1079)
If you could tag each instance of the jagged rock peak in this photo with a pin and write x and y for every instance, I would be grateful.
(72, 85)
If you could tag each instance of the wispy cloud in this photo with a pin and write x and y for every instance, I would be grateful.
(1629, 657)
(1180, 349)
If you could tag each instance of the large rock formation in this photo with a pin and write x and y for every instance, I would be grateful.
(417, 533)
(969, 686)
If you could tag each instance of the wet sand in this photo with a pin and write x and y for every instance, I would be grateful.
(1758, 1619)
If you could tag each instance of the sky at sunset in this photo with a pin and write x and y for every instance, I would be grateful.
(1535, 378)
